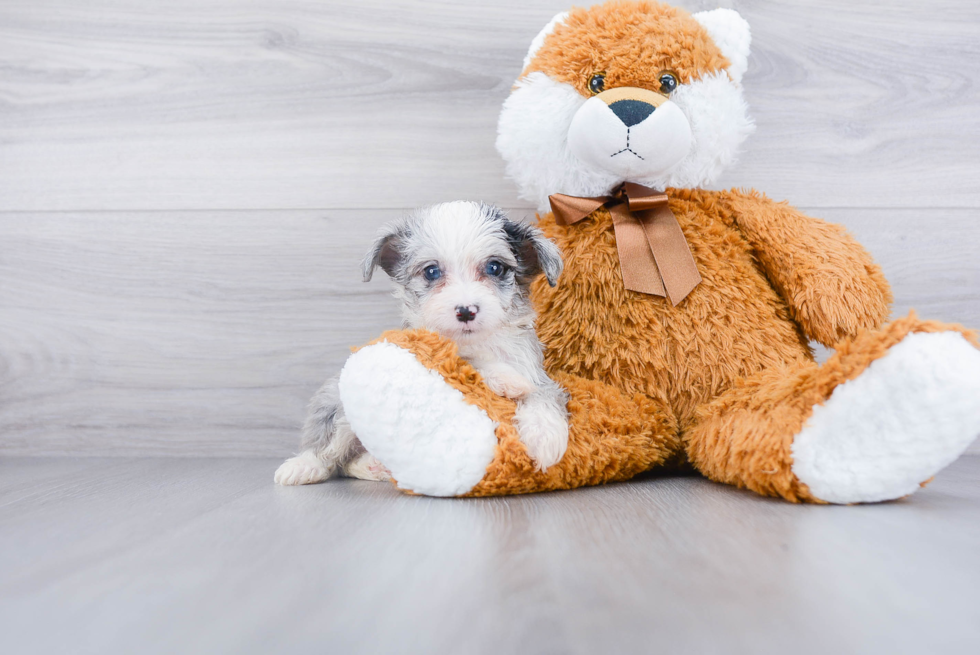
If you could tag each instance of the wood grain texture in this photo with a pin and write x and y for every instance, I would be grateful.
(178, 332)
(219, 104)
(208, 556)
(205, 333)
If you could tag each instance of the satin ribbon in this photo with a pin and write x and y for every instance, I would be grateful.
(654, 257)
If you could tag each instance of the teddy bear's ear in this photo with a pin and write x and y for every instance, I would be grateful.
(730, 32)
(539, 39)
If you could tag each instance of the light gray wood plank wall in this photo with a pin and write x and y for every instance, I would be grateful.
(205, 333)
(186, 187)
(217, 104)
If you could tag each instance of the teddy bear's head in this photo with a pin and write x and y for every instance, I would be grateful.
(627, 92)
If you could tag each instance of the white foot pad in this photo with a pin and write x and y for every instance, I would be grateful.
(909, 415)
(417, 425)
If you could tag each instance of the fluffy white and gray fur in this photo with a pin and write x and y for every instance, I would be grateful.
(462, 270)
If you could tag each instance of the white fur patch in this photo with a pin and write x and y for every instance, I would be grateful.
(906, 417)
(417, 425)
(720, 124)
(533, 133)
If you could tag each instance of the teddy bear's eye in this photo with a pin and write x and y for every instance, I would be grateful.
(668, 82)
(597, 83)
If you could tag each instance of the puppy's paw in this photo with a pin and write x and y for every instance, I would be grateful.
(367, 467)
(509, 385)
(305, 468)
(543, 428)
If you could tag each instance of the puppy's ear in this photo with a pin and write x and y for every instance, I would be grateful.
(387, 251)
(535, 254)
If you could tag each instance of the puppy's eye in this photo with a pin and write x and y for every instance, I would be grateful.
(494, 268)
(597, 83)
(432, 272)
(668, 82)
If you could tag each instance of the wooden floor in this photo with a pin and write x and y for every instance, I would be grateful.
(144, 555)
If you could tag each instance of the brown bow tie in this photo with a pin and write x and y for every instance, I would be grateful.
(653, 254)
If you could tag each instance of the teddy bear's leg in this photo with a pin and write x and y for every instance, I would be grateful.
(882, 416)
(429, 418)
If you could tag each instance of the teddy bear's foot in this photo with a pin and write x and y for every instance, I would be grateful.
(883, 415)
(420, 427)
(906, 417)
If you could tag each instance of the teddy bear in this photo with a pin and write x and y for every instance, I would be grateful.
(681, 325)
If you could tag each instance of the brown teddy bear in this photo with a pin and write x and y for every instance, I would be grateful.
(682, 322)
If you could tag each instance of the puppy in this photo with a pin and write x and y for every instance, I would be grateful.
(462, 270)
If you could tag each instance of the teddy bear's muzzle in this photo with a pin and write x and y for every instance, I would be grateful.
(630, 132)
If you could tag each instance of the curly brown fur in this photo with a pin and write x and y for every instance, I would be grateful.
(733, 325)
(631, 42)
(831, 284)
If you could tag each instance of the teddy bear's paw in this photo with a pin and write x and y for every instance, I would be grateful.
(367, 467)
(422, 429)
(542, 425)
(906, 417)
(305, 468)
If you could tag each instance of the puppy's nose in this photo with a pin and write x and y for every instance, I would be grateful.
(632, 112)
(466, 314)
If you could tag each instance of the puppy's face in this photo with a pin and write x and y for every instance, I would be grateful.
(626, 92)
(462, 269)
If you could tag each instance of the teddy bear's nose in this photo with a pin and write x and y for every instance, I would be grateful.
(632, 112)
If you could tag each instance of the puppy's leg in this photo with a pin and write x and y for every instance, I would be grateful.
(541, 420)
(327, 441)
(504, 380)
(366, 467)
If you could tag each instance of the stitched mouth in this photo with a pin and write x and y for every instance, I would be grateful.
(627, 148)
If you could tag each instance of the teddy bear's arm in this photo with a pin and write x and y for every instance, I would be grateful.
(830, 282)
